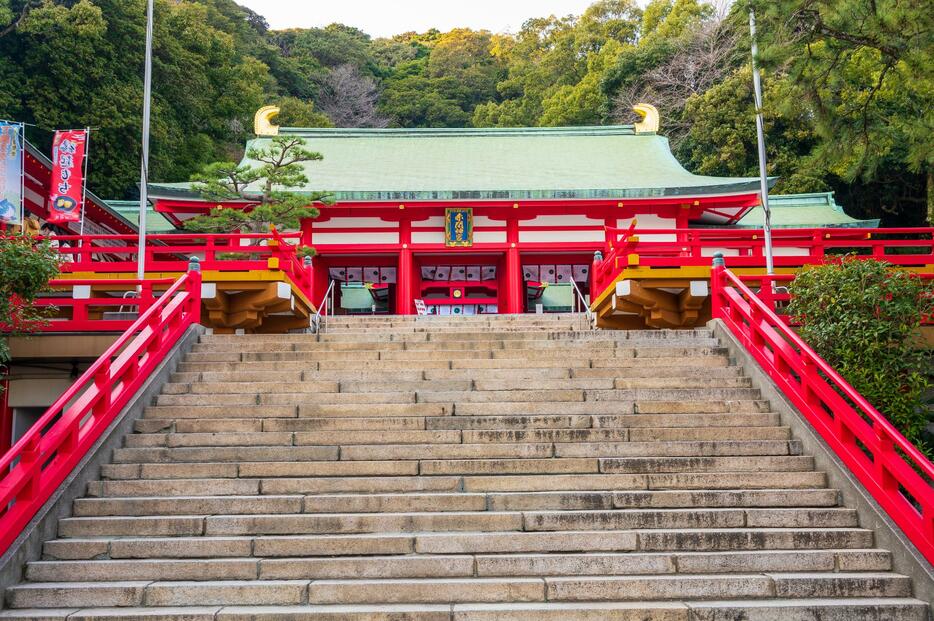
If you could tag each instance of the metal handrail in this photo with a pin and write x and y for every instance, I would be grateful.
(582, 303)
(316, 326)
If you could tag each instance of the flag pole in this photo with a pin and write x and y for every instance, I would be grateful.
(760, 139)
(22, 176)
(144, 167)
(84, 187)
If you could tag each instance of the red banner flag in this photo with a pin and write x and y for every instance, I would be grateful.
(66, 193)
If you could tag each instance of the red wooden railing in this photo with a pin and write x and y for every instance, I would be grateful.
(774, 291)
(906, 247)
(86, 314)
(114, 254)
(38, 463)
(896, 473)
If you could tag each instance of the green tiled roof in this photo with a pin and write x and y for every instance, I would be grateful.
(804, 211)
(155, 222)
(502, 163)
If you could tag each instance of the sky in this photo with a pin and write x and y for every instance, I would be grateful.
(384, 18)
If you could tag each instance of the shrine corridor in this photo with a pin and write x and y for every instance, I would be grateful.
(469, 468)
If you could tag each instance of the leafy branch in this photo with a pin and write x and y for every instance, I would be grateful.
(270, 191)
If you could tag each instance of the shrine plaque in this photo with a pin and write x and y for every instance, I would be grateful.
(458, 227)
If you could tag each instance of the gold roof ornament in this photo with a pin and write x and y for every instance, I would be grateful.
(262, 122)
(650, 120)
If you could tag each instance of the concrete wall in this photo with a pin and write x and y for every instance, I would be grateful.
(44, 526)
(905, 557)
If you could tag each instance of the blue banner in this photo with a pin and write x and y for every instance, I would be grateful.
(11, 172)
(458, 227)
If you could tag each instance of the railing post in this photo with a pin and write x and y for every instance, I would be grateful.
(194, 289)
(716, 286)
(308, 264)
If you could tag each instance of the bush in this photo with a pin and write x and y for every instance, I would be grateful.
(26, 267)
(862, 317)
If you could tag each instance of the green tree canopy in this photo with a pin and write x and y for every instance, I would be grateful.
(264, 186)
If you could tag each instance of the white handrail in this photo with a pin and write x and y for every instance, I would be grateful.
(582, 302)
(326, 303)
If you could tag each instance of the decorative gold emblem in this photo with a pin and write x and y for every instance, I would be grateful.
(650, 119)
(262, 122)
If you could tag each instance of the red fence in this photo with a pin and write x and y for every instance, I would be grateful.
(235, 252)
(38, 463)
(774, 292)
(746, 248)
(897, 475)
(90, 314)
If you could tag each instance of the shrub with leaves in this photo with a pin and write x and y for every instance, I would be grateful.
(862, 317)
(26, 267)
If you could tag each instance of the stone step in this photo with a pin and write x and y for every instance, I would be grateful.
(660, 422)
(706, 544)
(464, 342)
(344, 523)
(419, 385)
(375, 477)
(688, 448)
(618, 588)
(487, 450)
(623, 434)
(613, 408)
(844, 609)
(171, 503)
(477, 325)
(440, 565)
(175, 593)
(689, 480)
(353, 366)
(711, 586)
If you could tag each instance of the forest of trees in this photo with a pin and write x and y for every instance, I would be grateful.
(849, 84)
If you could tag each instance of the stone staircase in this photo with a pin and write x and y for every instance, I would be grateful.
(468, 469)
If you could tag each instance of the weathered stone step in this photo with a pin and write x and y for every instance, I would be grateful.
(371, 480)
(251, 411)
(791, 585)
(464, 342)
(621, 519)
(683, 480)
(234, 454)
(711, 549)
(619, 588)
(613, 408)
(230, 365)
(848, 609)
(135, 593)
(486, 450)
(641, 427)
(687, 448)
(173, 504)
(343, 523)
(429, 566)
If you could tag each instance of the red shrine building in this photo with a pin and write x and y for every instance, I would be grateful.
(482, 220)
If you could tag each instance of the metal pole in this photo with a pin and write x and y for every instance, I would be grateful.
(22, 176)
(760, 136)
(144, 172)
(84, 188)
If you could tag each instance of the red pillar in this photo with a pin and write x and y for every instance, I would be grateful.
(404, 290)
(513, 283)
